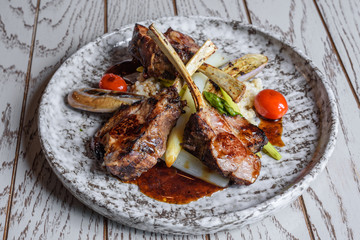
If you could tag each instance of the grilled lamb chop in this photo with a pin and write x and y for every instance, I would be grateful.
(250, 135)
(208, 135)
(135, 137)
(156, 64)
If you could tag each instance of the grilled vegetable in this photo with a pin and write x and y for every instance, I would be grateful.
(270, 150)
(100, 100)
(220, 104)
(246, 67)
(231, 85)
(210, 138)
(229, 101)
(218, 59)
(174, 58)
(186, 162)
(176, 134)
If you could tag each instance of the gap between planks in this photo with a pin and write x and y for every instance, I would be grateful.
(207, 236)
(22, 117)
(306, 217)
(105, 16)
(106, 234)
(337, 54)
(105, 220)
(247, 12)
(175, 8)
(300, 199)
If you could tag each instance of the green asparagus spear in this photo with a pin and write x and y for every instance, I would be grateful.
(220, 104)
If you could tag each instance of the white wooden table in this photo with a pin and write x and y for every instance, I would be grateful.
(36, 36)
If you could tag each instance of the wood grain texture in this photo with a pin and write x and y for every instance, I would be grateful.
(16, 26)
(42, 208)
(332, 200)
(118, 231)
(122, 12)
(342, 20)
(278, 225)
(285, 224)
(232, 9)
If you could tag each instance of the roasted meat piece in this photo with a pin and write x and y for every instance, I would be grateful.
(135, 137)
(156, 64)
(209, 137)
(250, 135)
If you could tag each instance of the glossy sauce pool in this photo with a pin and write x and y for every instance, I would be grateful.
(124, 68)
(160, 182)
(172, 185)
(273, 131)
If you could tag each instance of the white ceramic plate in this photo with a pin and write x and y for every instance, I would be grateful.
(310, 128)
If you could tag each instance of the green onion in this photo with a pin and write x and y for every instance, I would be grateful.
(166, 82)
(183, 90)
(270, 150)
(220, 104)
(229, 100)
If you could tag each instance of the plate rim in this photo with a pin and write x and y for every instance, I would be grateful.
(276, 202)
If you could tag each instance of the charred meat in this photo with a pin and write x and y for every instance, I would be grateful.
(209, 137)
(135, 137)
(156, 64)
(250, 135)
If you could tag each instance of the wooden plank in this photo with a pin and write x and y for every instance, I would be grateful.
(284, 224)
(342, 20)
(118, 231)
(122, 12)
(232, 9)
(16, 26)
(42, 208)
(332, 201)
(288, 223)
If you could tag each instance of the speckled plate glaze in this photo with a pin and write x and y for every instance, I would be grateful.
(310, 128)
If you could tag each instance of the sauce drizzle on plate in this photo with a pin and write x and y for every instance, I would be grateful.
(273, 130)
(172, 185)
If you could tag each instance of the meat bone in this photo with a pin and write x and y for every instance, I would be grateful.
(173, 57)
(216, 146)
(104, 101)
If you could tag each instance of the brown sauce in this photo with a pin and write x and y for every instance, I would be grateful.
(124, 68)
(172, 185)
(273, 130)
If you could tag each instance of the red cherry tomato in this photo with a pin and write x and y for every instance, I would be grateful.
(113, 82)
(270, 104)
